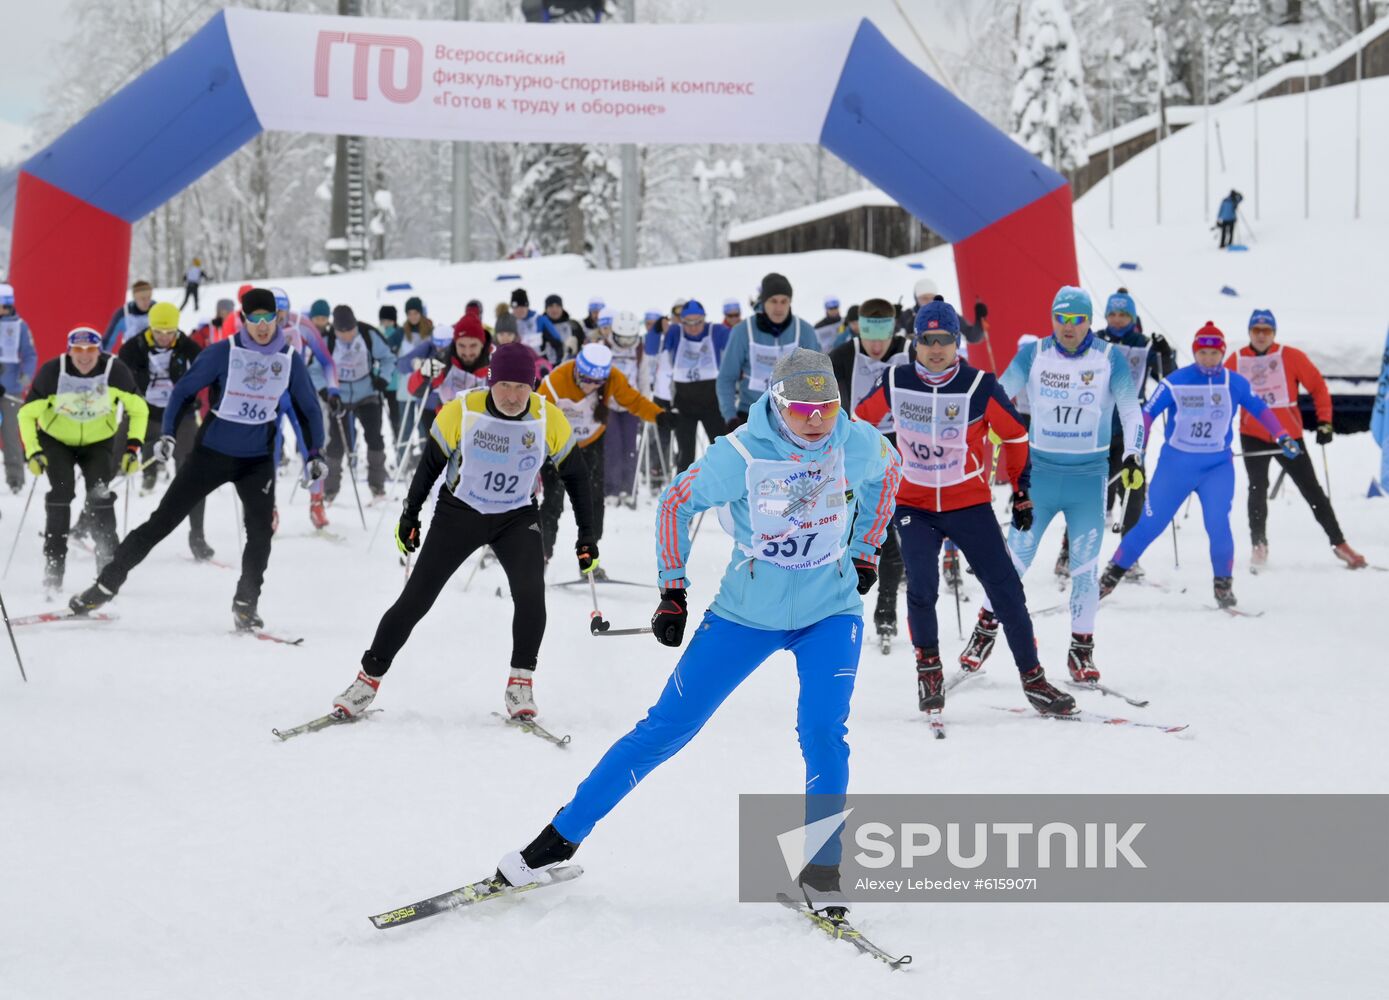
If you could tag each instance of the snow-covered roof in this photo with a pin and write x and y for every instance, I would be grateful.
(867, 198)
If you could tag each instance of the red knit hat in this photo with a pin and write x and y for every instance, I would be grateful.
(1208, 336)
(469, 326)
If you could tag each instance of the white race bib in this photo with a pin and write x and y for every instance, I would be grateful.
(255, 383)
(865, 377)
(1267, 377)
(161, 387)
(499, 460)
(762, 358)
(579, 413)
(933, 434)
(82, 397)
(457, 382)
(1203, 417)
(352, 358)
(797, 511)
(9, 340)
(695, 360)
(1070, 400)
(1137, 358)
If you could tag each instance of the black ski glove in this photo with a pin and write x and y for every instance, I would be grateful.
(1325, 433)
(380, 384)
(867, 576)
(1022, 510)
(587, 551)
(668, 623)
(980, 311)
(666, 420)
(738, 421)
(407, 533)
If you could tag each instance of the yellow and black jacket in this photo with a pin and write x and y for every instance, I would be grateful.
(447, 432)
(80, 409)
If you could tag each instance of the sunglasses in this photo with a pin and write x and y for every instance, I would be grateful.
(1070, 319)
(692, 321)
(937, 339)
(83, 348)
(1261, 329)
(590, 381)
(260, 318)
(828, 409)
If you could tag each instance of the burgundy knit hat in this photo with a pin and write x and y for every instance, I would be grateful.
(511, 363)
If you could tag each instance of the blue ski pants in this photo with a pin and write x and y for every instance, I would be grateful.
(1177, 476)
(720, 657)
(1077, 494)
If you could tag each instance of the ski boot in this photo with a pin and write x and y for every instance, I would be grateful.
(600, 575)
(950, 569)
(520, 698)
(930, 679)
(1063, 560)
(1110, 578)
(244, 616)
(886, 624)
(1258, 556)
(1225, 592)
(981, 643)
(1044, 697)
(90, 599)
(1135, 573)
(1347, 555)
(202, 552)
(530, 864)
(1081, 659)
(820, 887)
(317, 514)
(53, 568)
(359, 694)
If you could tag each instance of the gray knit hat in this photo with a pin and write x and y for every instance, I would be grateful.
(805, 376)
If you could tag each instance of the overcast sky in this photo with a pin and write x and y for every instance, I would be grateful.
(34, 30)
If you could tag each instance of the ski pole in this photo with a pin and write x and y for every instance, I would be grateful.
(20, 530)
(610, 632)
(352, 472)
(959, 619)
(596, 623)
(125, 514)
(1278, 484)
(236, 514)
(1258, 454)
(10, 629)
(1326, 470)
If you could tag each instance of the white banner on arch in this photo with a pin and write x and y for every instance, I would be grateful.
(508, 82)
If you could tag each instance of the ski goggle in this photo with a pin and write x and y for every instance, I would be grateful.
(936, 339)
(827, 408)
(1208, 343)
(625, 339)
(84, 338)
(260, 318)
(1070, 319)
(876, 327)
(1262, 328)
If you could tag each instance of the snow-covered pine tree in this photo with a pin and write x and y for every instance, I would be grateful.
(1050, 115)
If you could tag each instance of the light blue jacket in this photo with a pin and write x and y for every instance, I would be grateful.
(11, 375)
(760, 594)
(382, 363)
(734, 395)
(1121, 390)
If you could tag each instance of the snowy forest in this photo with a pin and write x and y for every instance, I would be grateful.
(1046, 71)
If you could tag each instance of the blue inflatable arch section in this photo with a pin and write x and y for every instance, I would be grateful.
(1007, 215)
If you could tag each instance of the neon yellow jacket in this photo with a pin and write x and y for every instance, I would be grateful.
(73, 408)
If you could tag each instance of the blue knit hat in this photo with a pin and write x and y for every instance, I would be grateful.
(320, 307)
(692, 308)
(732, 306)
(936, 315)
(652, 315)
(1070, 299)
(1121, 301)
(831, 301)
(1262, 317)
(594, 362)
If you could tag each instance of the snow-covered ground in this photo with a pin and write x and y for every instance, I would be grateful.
(161, 843)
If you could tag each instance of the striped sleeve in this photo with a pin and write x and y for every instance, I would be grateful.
(877, 497)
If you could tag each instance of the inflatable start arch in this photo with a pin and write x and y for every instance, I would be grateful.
(839, 83)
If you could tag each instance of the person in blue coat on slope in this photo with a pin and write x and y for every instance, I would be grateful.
(1199, 401)
(809, 494)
